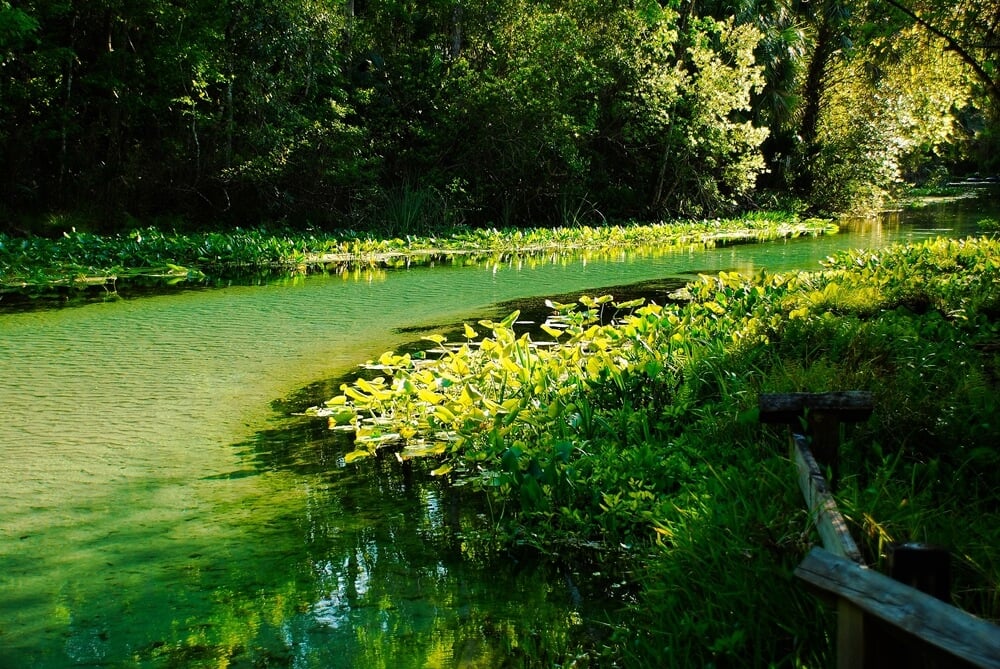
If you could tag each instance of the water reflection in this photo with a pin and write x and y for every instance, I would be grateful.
(386, 575)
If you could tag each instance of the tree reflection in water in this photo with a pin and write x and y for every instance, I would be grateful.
(370, 567)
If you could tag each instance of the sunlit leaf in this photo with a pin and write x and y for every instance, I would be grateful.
(509, 321)
(441, 471)
(444, 414)
(341, 417)
(429, 396)
(557, 306)
(551, 331)
(424, 449)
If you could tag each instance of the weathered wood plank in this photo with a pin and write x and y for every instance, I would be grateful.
(822, 507)
(851, 406)
(954, 631)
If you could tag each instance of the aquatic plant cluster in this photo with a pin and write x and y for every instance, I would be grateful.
(83, 258)
(624, 435)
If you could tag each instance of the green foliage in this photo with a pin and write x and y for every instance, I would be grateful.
(82, 257)
(381, 114)
(693, 114)
(889, 119)
(625, 433)
(507, 111)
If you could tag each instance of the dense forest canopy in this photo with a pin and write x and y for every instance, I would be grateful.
(378, 113)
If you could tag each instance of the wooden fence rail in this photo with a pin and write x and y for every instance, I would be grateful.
(881, 622)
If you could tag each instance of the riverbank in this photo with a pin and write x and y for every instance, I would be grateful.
(76, 260)
(622, 438)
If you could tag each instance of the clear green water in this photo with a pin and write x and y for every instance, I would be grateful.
(159, 507)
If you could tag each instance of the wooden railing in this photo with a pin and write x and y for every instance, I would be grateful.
(881, 621)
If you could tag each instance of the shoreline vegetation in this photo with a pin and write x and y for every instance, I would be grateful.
(622, 437)
(37, 264)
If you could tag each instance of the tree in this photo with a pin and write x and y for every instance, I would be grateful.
(694, 116)
(890, 112)
(971, 30)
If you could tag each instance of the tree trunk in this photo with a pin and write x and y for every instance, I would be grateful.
(812, 96)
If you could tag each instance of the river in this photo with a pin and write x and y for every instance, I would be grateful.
(160, 506)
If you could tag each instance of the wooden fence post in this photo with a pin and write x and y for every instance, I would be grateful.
(881, 622)
(823, 415)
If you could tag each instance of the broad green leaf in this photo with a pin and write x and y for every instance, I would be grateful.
(441, 471)
(444, 414)
(429, 396)
(551, 331)
(341, 417)
(558, 306)
(356, 455)
(509, 321)
(357, 395)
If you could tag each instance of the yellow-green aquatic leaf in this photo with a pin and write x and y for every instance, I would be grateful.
(356, 395)
(511, 404)
(552, 332)
(336, 401)
(341, 417)
(558, 306)
(475, 415)
(356, 455)
(441, 471)
(507, 322)
(470, 333)
(510, 366)
(650, 310)
(429, 396)
(460, 366)
(423, 449)
(444, 414)
(638, 302)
